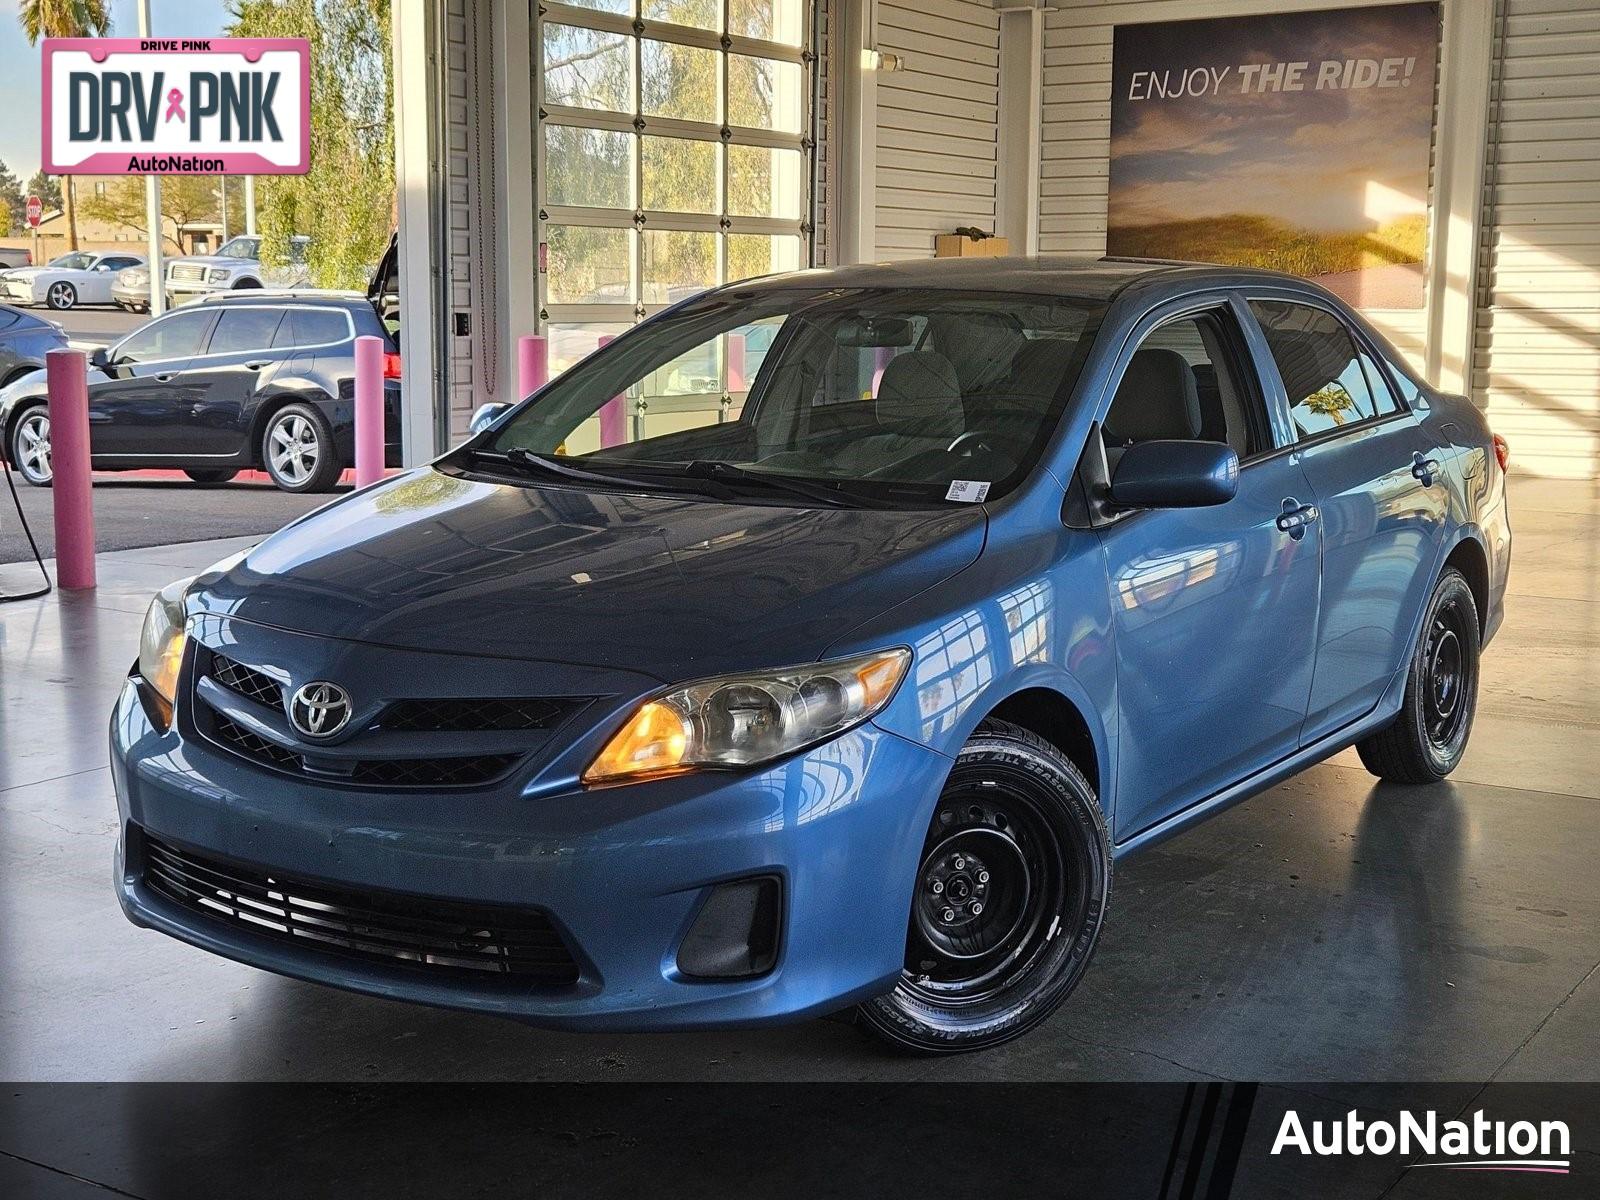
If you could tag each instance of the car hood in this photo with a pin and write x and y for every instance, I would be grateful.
(671, 587)
(35, 272)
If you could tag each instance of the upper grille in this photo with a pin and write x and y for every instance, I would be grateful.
(462, 716)
(184, 271)
(443, 937)
(248, 682)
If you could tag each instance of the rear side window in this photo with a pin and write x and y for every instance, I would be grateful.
(1323, 373)
(313, 327)
(242, 329)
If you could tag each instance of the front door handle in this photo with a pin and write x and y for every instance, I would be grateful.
(167, 378)
(257, 364)
(1424, 468)
(1296, 518)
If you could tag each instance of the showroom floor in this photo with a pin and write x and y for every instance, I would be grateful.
(1326, 930)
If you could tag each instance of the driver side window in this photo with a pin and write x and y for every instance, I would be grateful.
(1182, 384)
(178, 336)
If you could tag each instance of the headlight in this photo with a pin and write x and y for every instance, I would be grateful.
(742, 720)
(161, 644)
(217, 274)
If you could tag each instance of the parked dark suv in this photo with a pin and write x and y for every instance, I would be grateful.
(264, 379)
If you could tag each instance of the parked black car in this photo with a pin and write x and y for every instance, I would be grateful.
(24, 341)
(260, 379)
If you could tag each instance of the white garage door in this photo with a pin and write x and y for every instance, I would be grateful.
(674, 154)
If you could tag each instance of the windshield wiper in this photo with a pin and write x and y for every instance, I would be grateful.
(545, 464)
(716, 469)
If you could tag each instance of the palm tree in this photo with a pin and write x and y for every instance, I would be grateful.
(65, 18)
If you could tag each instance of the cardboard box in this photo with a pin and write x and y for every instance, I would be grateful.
(956, 245)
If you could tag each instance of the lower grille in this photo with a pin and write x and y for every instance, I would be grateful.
(441, 937)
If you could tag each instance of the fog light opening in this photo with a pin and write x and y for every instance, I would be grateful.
(735, 935)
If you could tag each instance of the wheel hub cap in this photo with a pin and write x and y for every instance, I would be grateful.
(974, 891)
(1444, 683)
(294, 449)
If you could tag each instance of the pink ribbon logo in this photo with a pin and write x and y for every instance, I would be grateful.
(175, 105)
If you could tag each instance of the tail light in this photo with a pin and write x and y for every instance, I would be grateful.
(391, 366)
(1502, 452)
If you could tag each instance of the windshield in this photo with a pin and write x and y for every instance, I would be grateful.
(909, 394)
(240, 247)
(74, 262)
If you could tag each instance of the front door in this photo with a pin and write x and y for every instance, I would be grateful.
(140, 409)
(1376, 475)
(1215, 609)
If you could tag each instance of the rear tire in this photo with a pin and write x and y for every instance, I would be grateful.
(1426, 741)
(220, 475)
(298, 451)
(1009, 900)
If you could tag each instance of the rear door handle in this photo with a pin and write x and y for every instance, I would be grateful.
(1424, 468)
(1296, 518)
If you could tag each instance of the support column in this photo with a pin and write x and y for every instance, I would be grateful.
(515, 202)
(1021, 110)
(855, 74)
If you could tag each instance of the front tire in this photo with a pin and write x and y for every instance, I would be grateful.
(1009, 900)
(217, 475)
(1426, 741)
(61, 296)
(298, 452)
(29, 451)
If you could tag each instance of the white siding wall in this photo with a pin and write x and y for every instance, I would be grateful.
(936, 134)
(1537, 356)
(1076, 134)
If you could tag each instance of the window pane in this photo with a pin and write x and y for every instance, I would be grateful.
(765, 183)
(679, 81)
(1318, 364)
(588, 167)
(755, 254)
(679, 175)
(772, 20)
(570, 344)
(702, 14)
(175, 337)
(309, 327)
(764, 93)
(1381, 394)
(245, 328)
(623, 7)
(677, 265)
(586, 68)
(588, 266)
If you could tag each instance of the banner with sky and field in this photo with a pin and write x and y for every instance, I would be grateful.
(1297, 141)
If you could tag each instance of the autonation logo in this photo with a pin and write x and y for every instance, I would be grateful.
(1475, 1145)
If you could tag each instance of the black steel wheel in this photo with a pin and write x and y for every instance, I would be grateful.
(1426, 740)
(1008, 902)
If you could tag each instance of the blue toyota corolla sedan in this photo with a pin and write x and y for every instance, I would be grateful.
(821, 642)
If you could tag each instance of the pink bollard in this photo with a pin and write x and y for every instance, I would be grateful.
(613, 413)
(369, 409)
(533, 364)
(72, 493)
(736, 380)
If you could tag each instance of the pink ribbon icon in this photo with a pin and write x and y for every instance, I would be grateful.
(174, 105)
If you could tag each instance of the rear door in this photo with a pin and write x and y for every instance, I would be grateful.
(141, 409)
(1377, 478)
(221, 383)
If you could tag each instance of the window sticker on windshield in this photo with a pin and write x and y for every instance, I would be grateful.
(968, 491)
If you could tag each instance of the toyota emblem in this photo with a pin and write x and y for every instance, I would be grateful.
(319, 709)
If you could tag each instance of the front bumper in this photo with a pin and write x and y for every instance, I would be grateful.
(138, 298)
(622, 872)
(181, 291)
(21, 293)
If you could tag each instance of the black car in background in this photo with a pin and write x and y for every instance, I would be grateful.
(24, 341)
(259, 379)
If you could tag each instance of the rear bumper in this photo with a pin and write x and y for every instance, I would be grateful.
(621, 872)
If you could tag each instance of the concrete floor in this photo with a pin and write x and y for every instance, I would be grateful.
(1330, 929)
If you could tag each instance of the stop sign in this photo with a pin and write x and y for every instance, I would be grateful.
(35, 211)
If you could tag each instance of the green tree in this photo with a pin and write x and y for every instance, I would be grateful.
(345, 202)
(64, 18)
(184, 198)
(13, 202)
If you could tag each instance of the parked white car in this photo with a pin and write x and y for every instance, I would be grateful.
(236, 264)
(82, 277)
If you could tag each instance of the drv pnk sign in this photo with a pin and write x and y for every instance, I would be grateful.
(169, 106)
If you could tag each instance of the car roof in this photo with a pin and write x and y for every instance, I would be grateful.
(1067, 276)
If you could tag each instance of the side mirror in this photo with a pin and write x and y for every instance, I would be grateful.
(100, 357)
(1175, 474)
(486, 416)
